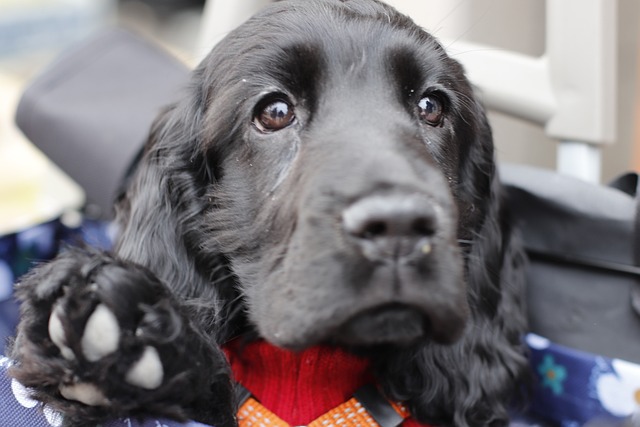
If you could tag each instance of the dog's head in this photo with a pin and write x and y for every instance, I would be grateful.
(331, 175)
(340, 135)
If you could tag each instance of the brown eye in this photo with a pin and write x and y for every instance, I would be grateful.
(431, 109)
(273, 115)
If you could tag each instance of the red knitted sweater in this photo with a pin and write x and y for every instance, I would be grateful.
(299, 386)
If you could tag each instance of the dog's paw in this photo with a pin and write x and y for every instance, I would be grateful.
(100, 338)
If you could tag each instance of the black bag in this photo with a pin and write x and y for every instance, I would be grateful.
(91, 110)
(583, 243)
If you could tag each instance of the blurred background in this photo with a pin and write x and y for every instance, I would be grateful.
(33, 32)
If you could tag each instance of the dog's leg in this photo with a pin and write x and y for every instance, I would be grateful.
(102, 338)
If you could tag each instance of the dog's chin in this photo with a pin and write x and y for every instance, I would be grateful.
(390, 324)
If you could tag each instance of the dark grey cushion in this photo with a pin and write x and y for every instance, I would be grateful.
(583, 280)
(91, 110)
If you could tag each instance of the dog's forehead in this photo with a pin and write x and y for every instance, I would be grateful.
(342, 33)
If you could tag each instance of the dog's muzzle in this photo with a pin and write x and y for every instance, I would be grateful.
(405, 236)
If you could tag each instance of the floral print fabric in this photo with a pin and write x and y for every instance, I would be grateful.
(18, 252)
(574, 388)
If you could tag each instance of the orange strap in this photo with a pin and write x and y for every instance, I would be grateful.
(349, 414)
(253, 414)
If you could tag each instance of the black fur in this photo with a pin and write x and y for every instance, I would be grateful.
(246, 229)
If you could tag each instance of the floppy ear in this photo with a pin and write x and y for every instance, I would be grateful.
(472, 382)
(160, 215)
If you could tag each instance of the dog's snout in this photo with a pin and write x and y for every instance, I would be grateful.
(392, 226)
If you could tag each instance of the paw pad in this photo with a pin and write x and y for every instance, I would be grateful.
(147, 372)
(101, 334)
(57, 335)
(100, 338)
(85, 393)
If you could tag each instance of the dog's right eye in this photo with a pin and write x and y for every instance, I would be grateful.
(273, 115)
(431, 110)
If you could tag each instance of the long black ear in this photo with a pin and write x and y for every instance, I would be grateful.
(160, 215)
(472, 382)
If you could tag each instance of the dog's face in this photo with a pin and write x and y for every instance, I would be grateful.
(340, 137)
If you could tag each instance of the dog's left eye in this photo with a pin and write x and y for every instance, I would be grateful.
(273, 115)
(431, 109)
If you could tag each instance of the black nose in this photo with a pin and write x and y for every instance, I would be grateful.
(392, 227)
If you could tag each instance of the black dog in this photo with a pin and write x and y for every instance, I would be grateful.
(328, 179)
